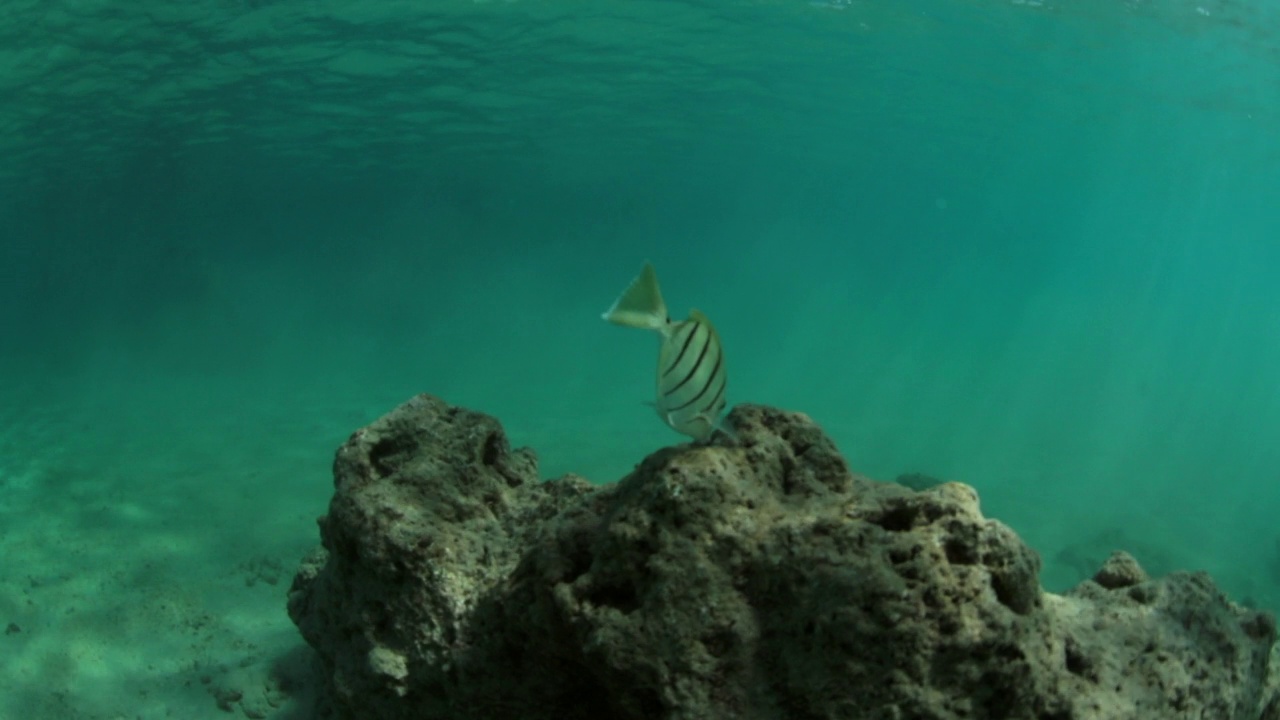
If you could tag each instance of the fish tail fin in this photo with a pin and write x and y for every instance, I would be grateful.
(640, 305)
(725, 427)
(715, 426)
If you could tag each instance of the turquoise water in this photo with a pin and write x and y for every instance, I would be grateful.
(1032, 247)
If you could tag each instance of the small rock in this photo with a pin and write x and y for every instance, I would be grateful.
(1120, 570)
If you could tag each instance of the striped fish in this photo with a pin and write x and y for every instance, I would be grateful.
(691, 373)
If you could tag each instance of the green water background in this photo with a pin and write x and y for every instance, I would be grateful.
(1030, 247)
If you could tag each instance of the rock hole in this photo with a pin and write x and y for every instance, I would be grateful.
(896, 519)
(384, 456)
(959, 552)
(622, 597)
(650, 705)
(719, 643)
(492, 449)
(996, 696)
(1076, 661)
(579, 561)
(1007, 593)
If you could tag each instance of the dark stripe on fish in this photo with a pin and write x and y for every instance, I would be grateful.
(696, 364)
(693, 330)
(714, 372)
(712, 405)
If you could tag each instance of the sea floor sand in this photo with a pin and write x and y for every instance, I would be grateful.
(150, 528)
(146, 563)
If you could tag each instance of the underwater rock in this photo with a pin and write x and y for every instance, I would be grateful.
(754, 580)
(1121, 570)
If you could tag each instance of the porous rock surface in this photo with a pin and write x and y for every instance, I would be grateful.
(756, 579)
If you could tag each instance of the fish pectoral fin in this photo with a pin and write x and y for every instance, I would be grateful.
(640, 305)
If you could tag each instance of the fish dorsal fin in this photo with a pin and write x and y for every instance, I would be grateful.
(640, 305)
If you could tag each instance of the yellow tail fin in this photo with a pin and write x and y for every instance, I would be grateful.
(640, 305)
